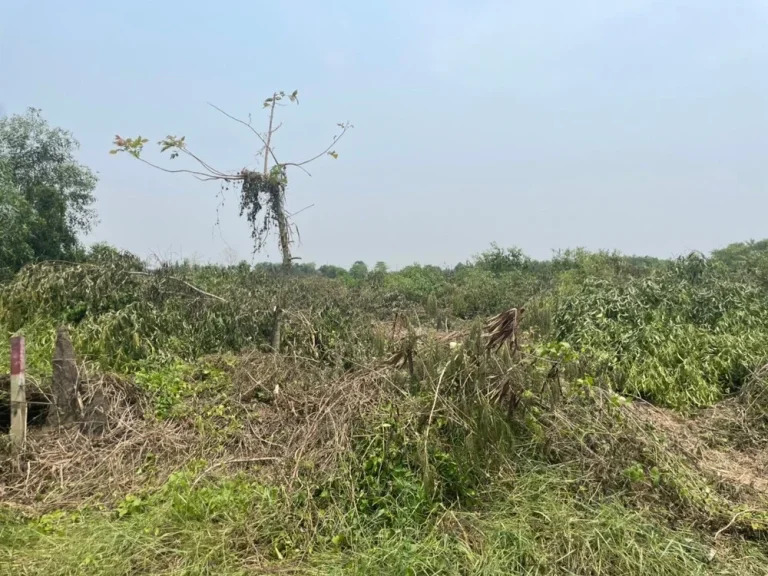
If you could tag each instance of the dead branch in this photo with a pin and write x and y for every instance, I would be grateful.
(291, 215)
(204, 164)
(344, 130)
(251, 128)
(187, 284)
(200, 175)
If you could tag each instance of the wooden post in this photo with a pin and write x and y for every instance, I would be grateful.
(18, 394)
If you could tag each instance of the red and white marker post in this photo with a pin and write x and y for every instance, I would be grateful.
(18, 394)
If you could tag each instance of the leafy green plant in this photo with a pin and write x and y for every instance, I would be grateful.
(682, 337)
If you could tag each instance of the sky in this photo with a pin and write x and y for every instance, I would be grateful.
(635, 125)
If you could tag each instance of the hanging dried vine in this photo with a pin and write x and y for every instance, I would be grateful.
(260, 198)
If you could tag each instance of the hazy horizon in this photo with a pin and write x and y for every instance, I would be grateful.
(639, 126)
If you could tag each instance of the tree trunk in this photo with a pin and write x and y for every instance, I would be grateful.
(282, 227)
(285, 250)
(278, 205)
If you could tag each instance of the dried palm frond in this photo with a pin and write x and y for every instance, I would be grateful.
(503, 328)
(406, 346)
(398, 358)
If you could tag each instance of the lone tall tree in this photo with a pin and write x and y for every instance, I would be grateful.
(46, 195)
(262, 193)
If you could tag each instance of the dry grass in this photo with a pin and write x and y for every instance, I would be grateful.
(299, 420)
(702, 442)
(63, 467)
(309, 415)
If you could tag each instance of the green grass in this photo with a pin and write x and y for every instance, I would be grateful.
(536, 522)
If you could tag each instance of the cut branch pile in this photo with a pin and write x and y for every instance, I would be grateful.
(283, 415)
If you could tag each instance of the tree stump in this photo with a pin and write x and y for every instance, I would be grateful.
(66, 407)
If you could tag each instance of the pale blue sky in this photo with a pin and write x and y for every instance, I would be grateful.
(632, 124)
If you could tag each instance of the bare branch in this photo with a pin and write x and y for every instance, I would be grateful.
(134, 147)
(303, 169)
(251, 128)
(200, 175)
(300, 211)
(204, 164)
(269, 130)
(324, 152)
(187, 284)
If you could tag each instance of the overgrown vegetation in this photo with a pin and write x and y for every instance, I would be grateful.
(588, 414)
(458, 461)
(683, 336)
